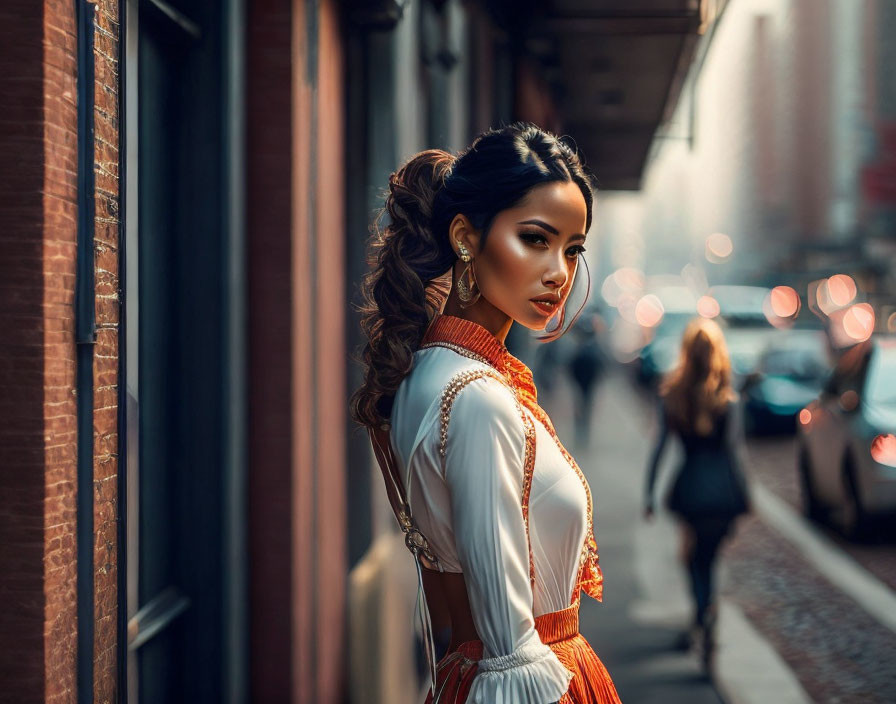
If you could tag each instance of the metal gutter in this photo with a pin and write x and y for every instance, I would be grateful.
(121, 533)
(235, 552)
(85, 339)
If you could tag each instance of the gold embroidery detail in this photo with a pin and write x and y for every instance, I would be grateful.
(589, 577)
(528, 472)
(450, 392)
(460, 350)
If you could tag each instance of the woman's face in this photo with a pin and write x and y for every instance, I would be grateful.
(526, 266)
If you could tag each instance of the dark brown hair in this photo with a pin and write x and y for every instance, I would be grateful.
(411, 257)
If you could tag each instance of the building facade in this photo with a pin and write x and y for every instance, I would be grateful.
(186, 511)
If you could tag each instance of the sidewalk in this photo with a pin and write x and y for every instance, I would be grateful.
(646, 602)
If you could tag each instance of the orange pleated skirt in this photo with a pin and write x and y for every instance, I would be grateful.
(591, 683)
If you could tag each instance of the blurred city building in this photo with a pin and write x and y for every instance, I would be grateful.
(782, 142)
(187, 513)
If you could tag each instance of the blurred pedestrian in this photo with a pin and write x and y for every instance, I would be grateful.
(454, 419)
(699, 406)
(585, 366)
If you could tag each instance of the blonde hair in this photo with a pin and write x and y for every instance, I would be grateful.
(699, 389)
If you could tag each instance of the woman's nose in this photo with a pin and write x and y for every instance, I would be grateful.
(556, 274)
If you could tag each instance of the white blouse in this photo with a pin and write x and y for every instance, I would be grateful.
(465, 488)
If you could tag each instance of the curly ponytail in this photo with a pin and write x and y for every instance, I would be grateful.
(404, 288)
(411, 258)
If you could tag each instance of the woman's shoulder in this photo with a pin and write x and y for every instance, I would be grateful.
(484, 393)
(437, 368)
(439, 376)
(472, 395)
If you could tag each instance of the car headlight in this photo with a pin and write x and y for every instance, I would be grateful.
(805, 416)
(883, 449)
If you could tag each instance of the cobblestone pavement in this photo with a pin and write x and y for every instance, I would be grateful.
(772, 461)
(838, 652)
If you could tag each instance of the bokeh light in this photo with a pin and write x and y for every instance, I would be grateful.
(835, 293)
(841, 290)
(610, 291)
(883, 449)
(781, 306)
(649, 311)
(708, 307)
(625, 280)
(718, 247)
(805, 416)
(785, 302)
(858, 322)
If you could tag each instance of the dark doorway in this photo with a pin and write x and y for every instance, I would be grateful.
(180, 515)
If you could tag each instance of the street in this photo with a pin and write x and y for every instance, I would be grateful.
(803, 612)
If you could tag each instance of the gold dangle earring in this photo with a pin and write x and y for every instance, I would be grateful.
(467, 290)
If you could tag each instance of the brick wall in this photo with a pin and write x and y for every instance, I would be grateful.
(105, 370)
(38, 407)
(60, 217)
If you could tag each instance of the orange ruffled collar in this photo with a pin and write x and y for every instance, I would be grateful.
(453, 332)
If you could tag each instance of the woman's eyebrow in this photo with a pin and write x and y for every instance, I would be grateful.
(550, 228)
(540, 223)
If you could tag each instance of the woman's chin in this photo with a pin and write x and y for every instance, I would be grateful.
(537, 324)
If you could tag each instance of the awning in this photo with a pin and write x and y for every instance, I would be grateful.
(616, 69)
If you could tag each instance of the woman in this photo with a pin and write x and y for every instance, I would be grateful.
(699, 406)
(502, 533)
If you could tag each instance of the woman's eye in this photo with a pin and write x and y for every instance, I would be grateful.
(533, 237)
(539, 239)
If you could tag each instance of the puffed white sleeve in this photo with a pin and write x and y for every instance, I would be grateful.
(484, 465)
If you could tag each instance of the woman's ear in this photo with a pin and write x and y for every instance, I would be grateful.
(461, 230)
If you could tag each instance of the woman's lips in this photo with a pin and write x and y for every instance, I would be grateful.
(544, 307)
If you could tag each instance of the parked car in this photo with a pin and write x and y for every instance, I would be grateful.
(741, 305)
(790, 374)
(845, 460)
(747, 330)
(745, 346)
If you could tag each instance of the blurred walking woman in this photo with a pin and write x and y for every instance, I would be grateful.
(708, 493)
(495, 511)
